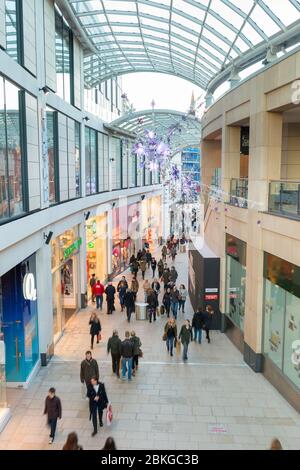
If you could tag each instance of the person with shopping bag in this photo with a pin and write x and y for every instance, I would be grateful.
(98, 401)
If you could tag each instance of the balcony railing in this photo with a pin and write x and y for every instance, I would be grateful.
(239, 192)
(284, 198)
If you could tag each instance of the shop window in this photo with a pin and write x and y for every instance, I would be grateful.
(53, 164)
(64, 59)
(13, 174)
(274, 322)
(13, 26)
(291, 357)
(77, 160)
(91, 161)
(235, 280)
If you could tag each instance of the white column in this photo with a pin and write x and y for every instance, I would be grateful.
(109, 241)
(82, 265)
(44, 299)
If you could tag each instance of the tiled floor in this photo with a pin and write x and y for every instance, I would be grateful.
(168, 405)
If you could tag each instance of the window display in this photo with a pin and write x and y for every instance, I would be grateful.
(96, 249)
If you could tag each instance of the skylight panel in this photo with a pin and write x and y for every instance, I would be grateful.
(264, 21)
(215, 39)
(190, 9)
(119, 6)
(185, 22)
(251, 34)
(283, 10)
(221, 27)
(227, 13)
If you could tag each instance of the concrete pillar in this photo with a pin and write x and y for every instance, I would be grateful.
(109, 241)
(82, 272)
(44, 299)
(230, 156)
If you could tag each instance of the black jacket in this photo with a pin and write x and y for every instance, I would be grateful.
(152, 300)
(95, 327)
(198, 320)
(53, 407)
(110, 292)
(207, 320)
(136, 345)
(167, 299)
(186, 335)
(88, 369)
(173, 275)
(127, 348)
(153, 264)
(91, 394)
(148, 257)
(114, 345)
(129, 299)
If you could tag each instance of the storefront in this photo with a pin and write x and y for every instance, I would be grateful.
(125, 236)
(96, 250)
(281, 334)
(65, 279)
(235, 280)
(151, 226)
(19, 341)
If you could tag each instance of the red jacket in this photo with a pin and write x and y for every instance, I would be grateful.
(98, 289)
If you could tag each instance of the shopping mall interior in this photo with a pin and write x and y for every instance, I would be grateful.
(133, 125)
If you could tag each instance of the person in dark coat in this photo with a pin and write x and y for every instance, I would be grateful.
(152, 304)
(127, 350)
(96, 393)
(95, 328)
(129, 302)
(166, 276)
(148, 258)
(121, 289)
(136, 351)
(198, 324)
(132, 259)
(114, 348)
(110, 297)
(53, 411)
(173, 274)
(160, 267)
(208, 316)
(156, 287)
(92, 283)
(88, 369)
(170, 334)
(139, 255)
(153, 266)
(167, 301)
(186, 335)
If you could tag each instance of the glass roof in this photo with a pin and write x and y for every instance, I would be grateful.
(188, 127)
(192, 39)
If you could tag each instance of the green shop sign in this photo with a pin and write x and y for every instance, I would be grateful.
(72, 248)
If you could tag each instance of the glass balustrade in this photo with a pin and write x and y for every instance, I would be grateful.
(284, 198)
(239, 192)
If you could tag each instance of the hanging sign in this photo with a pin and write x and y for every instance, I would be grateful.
(72, 248)
(29, 290)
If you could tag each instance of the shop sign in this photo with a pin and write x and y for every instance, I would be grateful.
(29, 290)
(91, 245)
(72, 248)
(211, 297)
(211, 290)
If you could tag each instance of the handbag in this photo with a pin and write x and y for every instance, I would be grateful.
(178, 347)
(140, 353)
(109, 414)
(164, 338)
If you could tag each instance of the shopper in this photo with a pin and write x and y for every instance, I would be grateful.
(146, 287)
(174, 295)
(167, 301)
(170, 335)
(92, 283)
(276, 444)
(160, 267)
(182, 297)
(166, 276)
(143, 266)
(173, 274)
(153, 266)
(173, 252)
(152, 305)
(156, 287)
(98, 293)
(148, 258)
(72, 442)
(95, 328)
(114, 348)
(109, 444)
(208, 316)
(129, 302)
(198, 324)
(121, 289)
(53, 411)
(164, 252)
(139, 255)
(136, 351)
(186, 335)
(132, 259)
(134, 286)
(96, 393)
(110, 298)
(127, 350)
(88, 369)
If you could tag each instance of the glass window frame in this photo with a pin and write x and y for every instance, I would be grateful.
(55, 155)
(19, 32)
(66, 31)
(89, 131)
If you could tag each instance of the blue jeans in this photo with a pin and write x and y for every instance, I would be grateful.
(174, 307)
(198, 334)
(181, 305)
(185, 350)
(170, 344)
(99, 301)
(52, 423)
(126, 363)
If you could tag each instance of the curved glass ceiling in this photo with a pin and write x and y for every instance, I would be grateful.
(187, 128)
(192, 39)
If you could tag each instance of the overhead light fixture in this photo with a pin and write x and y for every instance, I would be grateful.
(113, 204)
(46, 90)
(143, 197)
(86, 119)
(47, 237)
(87, 215)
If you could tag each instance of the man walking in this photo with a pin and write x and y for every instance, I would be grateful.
(92, 283)
(186, 335)
(88, 369)
(174, 297)
(96, 394)
(148, 258)
(53, 412)
(129, 303)
(110, 298)
(114, 348)
(98, 293)
(143, 266)
(198, 323)
(173, 275)
(152, 304)
(127, 351)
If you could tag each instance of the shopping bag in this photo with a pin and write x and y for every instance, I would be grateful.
(99, 337)
(178, 347)
(109, 414)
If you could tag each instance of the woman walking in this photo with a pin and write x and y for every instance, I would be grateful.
(208, 316)
(186, 335)
(164, 252)
(134, 286)
(174, 301)
(129, 302)
(72, 442)
(167, 301)
(136, 352)
(170, 335)
(160, 267)
(95, 328)
(153, 266)
(143, 266)
(121, 289)
(182, 297)
(146, 287)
